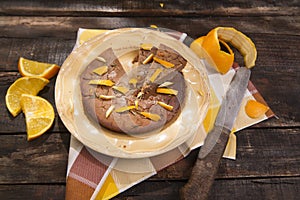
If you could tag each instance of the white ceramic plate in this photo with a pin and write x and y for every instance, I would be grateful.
(125, 43)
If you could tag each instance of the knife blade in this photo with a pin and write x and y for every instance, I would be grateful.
(211, 152)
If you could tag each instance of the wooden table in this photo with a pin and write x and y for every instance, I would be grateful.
(268, 154)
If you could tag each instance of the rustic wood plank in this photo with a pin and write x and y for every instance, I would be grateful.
(20, 192)
(66, 27)
(273, 70)
(43, 160)
(276, 53)
(270, 188)
(51, 50)
(260, 153)
(149, 8)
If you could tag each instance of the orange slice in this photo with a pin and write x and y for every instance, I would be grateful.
(39, 115)
(255, 109)
(209, 47)
(24, 85)
(34, 68)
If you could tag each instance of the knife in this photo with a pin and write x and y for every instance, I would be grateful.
(210, 154)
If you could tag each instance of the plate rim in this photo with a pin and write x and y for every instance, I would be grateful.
(73, 132)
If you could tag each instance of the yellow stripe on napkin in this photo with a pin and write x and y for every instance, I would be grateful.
(214, 106)
(108, 190)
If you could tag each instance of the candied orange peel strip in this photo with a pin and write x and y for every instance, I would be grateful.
(167, 91)
(155, 75)
(124, 108)
(166, 84)
(148, 59)
(121, 89)
(136, 103)
(107, 97)
(209, 47)
(101, 70)
(164, 63)
(166, 106)
(109, 111)
(152, 116)
(133, 81)
(101, 82)
(255, 109)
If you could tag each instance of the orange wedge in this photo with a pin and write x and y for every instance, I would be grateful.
(33, 68)
(39, 115)
(255, 109)
(209, 47)
(24, 85)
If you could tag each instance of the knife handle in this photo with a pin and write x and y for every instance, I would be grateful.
(205, 169)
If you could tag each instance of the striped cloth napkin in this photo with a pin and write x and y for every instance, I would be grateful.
(91, 175)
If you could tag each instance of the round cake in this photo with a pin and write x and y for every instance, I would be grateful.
(146, 98)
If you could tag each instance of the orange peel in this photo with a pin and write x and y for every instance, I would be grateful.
(255, 109)
(209, 47)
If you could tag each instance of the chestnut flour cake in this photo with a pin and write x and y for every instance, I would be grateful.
(147, 98)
